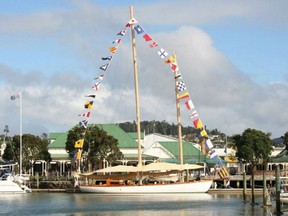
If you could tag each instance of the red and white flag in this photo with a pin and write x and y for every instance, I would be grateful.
(194, 114)
(154, 44)
(174, 66)
(147, 37)
(96, 86)
(101, 77)
(131, 21)
(189, 104)
(87, 114)
(117, 41)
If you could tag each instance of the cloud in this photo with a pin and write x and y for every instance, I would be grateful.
(225, 97)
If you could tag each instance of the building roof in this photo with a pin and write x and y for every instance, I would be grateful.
(58, 140)
(282, 157)
(190, 153)
(134, 135)
(124, 140)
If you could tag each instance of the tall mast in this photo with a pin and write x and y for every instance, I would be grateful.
(177, 73)
(21, 141)
(136, 88)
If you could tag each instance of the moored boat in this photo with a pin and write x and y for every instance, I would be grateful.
(10, 183)
(151, 178)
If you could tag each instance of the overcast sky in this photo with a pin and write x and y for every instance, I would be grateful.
(232, 56)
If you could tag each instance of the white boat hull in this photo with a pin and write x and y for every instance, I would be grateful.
(191, 187)
(7, 186)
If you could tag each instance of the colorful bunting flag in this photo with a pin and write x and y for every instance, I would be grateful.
(139, 29)
(79, 143)
(197, 123)
(117, 41)
(162, 53)
(209, 144)
(104, 67)
(79, 155)
(213, 154)
(107, 58)
(101, 77)
(87, 114)
(122, 33)
(194, 114)
(178, 76)
(189, 104)
(88, 105)
(147, 37)
(203, 133)
(184, 95)
(170, 60)
(83, 123)
(130, 22)
(96, 86)
(181, 86)
(174, 67)
(113, 49)
(91, 95)
(154, 44)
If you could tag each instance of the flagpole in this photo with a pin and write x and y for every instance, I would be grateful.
(21, 114)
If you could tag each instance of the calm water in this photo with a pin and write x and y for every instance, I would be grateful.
(140, 205)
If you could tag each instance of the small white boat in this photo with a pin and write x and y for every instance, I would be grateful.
(10, 184)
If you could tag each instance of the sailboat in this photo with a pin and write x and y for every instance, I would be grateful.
(9, 182)
(117, 183)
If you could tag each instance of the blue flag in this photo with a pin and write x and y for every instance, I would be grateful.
(139, 29)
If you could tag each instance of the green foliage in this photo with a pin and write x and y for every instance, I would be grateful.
(162, 127)
(9, 153)
(253, 146)
(285, 141)
(97, 144)
(33, 148)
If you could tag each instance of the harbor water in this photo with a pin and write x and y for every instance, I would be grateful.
(60, 204)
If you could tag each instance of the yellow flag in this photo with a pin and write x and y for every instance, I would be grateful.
(79, 143)
(184, 95)
(170, 60)
(88, 105)
(79, 155)
(113, 49)
(203, 133)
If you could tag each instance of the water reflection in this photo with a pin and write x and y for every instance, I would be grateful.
(141, 205)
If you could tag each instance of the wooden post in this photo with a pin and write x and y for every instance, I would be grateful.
(264, 185)
(277, 181)
(266, 193)
(244, 187)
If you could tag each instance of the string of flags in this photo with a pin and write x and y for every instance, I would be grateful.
(183, 95)
(107, 59)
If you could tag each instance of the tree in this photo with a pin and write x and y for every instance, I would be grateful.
(97, 145)
(253, 147)
(285, 140)
(9, 153)
(33, 148)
